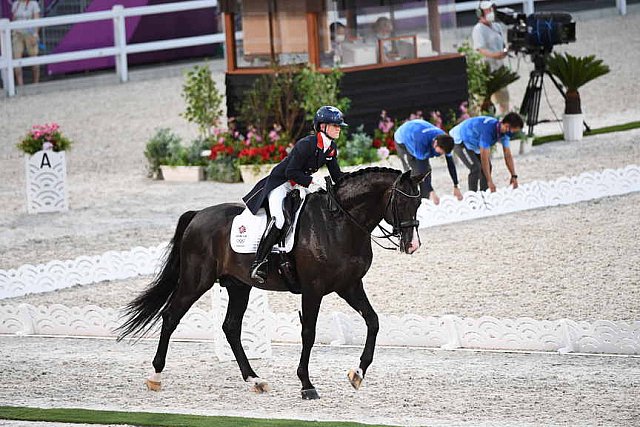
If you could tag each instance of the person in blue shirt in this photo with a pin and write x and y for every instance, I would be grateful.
(473, 140)
(416, 142)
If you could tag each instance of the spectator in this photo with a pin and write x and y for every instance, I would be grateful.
(383, 29)
(416, 142)
(27, 38)
(488, 39)
(473, 140)
(338, 36)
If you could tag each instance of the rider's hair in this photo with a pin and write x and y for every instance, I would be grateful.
(445, 142)
(514, 120)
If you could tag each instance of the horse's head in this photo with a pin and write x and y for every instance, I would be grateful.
(402, 209)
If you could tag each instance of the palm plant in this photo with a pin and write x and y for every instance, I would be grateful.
(497, 79)
(574, 72)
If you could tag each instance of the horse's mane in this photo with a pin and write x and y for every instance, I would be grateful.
(365, 171)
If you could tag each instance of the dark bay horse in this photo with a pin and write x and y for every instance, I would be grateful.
(332, 254)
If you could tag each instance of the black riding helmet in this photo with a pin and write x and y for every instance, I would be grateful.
(328, 114)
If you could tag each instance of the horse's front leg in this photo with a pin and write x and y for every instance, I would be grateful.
(310, 309)
(357, 298)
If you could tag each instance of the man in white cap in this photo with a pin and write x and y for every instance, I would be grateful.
(488, 39)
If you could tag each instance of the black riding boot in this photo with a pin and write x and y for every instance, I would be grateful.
(269, 238)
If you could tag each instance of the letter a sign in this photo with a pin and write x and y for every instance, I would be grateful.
(46, 182)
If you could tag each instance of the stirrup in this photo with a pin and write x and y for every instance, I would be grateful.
(257, 274)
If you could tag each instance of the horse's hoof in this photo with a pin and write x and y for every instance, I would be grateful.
(310, 394)
(153, 385)
(355, 377)
(261, 387)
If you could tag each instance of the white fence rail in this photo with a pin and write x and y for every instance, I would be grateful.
(120, 50)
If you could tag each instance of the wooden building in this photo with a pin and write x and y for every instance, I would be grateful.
(390, 51)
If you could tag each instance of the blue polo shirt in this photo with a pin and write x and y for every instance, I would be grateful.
(417, 137)
(479, 132)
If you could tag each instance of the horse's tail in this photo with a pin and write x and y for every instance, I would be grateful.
(143, 312)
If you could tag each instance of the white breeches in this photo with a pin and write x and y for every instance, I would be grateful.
(276, 196)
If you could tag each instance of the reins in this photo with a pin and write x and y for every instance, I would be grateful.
(386, 234)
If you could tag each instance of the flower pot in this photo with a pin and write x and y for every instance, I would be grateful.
(254, 173)
(182, 173)
(572, 125)
(46, 178)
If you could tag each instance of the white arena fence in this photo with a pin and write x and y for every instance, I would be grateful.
(139, 261)
(261, 326)
(121, 49)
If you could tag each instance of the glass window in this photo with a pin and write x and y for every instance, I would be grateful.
(367, 33)
(271, 31)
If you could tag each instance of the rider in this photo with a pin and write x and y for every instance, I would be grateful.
(307, 156)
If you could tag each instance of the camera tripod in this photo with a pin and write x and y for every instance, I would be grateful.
(530, 106)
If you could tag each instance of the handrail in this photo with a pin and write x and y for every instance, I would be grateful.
(120, 50)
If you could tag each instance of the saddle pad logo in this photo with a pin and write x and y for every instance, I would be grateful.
(242, 229)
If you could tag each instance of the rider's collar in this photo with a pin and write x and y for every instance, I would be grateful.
(324, 142)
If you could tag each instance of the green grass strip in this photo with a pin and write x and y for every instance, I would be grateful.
(607, 129)
(89, 416)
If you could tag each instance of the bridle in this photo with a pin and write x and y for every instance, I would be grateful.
(397, 224)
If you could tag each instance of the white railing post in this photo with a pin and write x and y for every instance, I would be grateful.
(120, 42)
(8, 78)
(622, 6)
(527, 6)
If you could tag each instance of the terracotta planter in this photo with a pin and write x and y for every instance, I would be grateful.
(182, 173)
(254, 173)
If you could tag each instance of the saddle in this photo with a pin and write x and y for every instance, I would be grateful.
(247, 229)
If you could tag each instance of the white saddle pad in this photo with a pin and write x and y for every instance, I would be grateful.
(247, 230)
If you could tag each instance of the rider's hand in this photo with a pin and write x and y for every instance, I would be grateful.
(457, 193)
(315, 186)
(492, 186)
(434, 198)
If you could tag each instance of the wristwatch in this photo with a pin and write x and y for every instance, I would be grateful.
(514, 176)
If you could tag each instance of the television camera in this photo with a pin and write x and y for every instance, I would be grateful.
(535, 35)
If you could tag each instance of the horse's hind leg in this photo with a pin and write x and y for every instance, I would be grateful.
(357, 299)
(194, 282)
(232, 327)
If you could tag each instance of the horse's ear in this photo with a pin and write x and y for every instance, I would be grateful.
(417, 179)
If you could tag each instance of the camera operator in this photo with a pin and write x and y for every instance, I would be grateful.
(489, 39)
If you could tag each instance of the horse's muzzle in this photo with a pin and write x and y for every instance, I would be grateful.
(411, 246)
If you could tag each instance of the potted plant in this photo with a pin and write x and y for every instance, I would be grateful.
(574, 72)
(258, 157)
(170, 160)
(46, 172)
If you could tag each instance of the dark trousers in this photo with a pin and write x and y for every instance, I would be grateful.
(472, 161)
(417, 167)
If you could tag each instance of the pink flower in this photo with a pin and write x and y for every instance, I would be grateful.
(383, 152)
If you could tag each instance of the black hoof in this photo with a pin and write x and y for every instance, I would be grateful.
(310, 394)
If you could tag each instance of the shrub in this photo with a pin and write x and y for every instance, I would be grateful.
(158, 149)
(204, 101)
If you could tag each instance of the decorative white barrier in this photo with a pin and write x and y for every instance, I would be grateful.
(255, 325)
(112, 265)
(260, 327)
(537, 194)
(120, 265)
(46, 173)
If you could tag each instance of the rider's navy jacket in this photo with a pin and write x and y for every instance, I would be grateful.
(305, 158)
